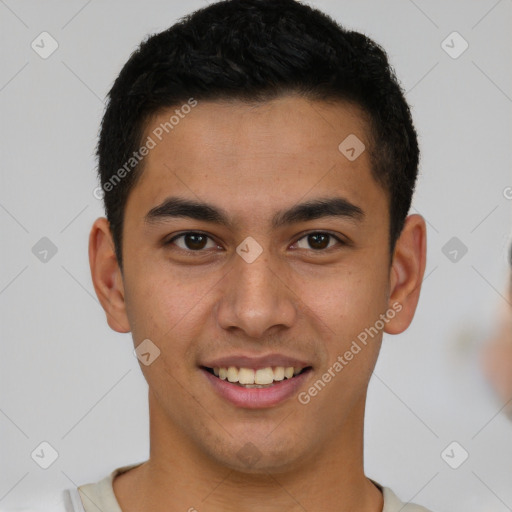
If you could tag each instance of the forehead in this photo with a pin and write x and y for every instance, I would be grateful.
(234, 130)
(277, 151)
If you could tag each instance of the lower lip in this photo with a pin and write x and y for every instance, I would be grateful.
(256, 398)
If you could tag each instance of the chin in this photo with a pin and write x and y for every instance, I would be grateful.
(262, 465)
(261, 456)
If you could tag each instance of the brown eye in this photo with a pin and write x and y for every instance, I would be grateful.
(318, 241)
(192, 241)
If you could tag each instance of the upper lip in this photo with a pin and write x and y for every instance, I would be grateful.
(256, 362)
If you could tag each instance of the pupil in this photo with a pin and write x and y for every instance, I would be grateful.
(313, 240)
(193, 241)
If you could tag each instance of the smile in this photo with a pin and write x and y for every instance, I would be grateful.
(251, 378)
(256, 388)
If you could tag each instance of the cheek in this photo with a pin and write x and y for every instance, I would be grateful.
(170, 309)
(156, 300)
(347, 301)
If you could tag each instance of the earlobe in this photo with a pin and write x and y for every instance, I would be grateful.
(407, 270)
(106, 275)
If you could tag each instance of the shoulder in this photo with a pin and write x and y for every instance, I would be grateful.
(100, 495)
(59, 501)
(392, 503)
(84, 498)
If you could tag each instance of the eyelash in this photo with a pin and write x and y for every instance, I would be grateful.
(189, 251)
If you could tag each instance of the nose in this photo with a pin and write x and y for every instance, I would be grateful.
(256, 299)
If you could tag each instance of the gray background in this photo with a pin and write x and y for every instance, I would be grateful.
(69, 380)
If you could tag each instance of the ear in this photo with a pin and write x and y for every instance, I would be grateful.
(406, 276)
(106, 275)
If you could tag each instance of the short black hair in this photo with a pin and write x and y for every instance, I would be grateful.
(255, 51)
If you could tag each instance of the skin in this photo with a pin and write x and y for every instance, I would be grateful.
(252, 162)
(496, 356)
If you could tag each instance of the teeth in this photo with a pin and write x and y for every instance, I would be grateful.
(279, 373)
(232, 374)
(256, 378)
(264, 376)
(246, 376)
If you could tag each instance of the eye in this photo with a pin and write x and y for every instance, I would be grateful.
(192, 241)
(319, 241)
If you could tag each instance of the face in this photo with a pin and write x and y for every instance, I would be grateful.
(287, 268)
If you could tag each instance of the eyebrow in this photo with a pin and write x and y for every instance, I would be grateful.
(174, 207)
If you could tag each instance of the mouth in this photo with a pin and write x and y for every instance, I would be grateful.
(256, 388)
(256, 378)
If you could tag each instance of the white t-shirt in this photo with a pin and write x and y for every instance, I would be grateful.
(100, 496)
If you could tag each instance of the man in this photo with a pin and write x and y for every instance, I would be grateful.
(257, 163)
